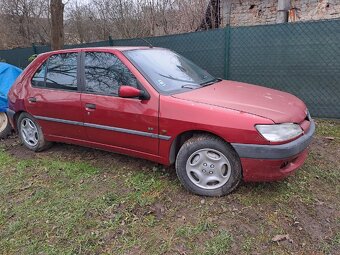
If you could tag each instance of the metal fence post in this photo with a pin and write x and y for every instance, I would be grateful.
(110, 41)
(34, 48)
(227, 52)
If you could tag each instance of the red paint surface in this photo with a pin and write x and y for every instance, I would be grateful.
(268, 103)
(255, 170)
(227, 109)
(129, 92)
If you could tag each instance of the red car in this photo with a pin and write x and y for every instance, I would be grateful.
(155, 104)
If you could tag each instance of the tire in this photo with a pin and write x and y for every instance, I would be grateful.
(208, 166)
(30, 133)
(5, 126)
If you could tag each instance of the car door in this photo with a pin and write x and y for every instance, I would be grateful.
(54, 97)
(128, 123)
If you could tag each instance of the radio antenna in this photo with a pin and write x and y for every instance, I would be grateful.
(150, 45)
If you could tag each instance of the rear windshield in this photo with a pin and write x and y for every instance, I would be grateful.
(167, 71)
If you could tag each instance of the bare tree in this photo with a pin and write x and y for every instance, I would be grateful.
(57, 24)
(23, 22)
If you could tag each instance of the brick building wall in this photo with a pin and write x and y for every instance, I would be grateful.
(253, 12)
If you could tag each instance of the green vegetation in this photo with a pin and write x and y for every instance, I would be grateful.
(71, 200)
(219, 244)
(328, 128)
(32, 57)
(189, 231)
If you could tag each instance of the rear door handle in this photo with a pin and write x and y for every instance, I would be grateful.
(90, 106)
(32, 100)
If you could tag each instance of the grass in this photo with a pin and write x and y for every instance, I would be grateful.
(46, 201)
(328, 128)
(190, 231)
(72, 200)
(219, 244)
(55, 200)
(145, 188)
(248, 244)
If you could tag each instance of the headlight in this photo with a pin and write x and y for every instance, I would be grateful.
(279, 132)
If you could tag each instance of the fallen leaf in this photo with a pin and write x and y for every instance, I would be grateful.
(279, 238)
(158, 209)
(318, 202)
(26, 187)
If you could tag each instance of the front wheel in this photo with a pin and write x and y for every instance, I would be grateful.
(5, 126)
(208, 166)
(31, 134)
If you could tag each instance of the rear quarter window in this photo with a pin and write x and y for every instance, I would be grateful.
(38, 79)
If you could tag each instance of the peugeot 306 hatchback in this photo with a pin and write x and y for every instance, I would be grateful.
(155, 104)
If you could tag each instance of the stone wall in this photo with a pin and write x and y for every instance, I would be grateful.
(253, 12)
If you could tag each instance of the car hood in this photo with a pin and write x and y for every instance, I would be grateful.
(280, 107)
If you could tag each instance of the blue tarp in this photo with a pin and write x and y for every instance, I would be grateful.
(8, 75)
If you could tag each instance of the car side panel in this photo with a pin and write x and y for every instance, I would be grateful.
(179, 116)
(128, 123)
(106, 147)
(122, 122)
(53, 107)
(58, 112)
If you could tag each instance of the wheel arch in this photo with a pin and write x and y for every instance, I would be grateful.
(183, 137)
(15, 120)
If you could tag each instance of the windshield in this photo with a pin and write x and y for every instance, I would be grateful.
(169, 72)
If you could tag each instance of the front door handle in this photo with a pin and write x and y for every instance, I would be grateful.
(90, 106)
(32, 100)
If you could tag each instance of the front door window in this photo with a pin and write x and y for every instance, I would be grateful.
(105, 73)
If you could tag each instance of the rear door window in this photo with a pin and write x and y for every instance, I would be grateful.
(62, 71)
(58, 72)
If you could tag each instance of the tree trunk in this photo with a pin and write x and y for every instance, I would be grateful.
(57, 24)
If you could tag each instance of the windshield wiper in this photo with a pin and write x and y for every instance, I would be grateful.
(176, 79)
(207, 83)
(191, 86)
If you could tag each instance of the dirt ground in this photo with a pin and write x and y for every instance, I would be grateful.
(133, 206)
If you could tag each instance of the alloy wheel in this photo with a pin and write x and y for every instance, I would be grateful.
(29, 132)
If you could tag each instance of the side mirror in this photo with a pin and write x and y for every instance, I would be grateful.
(131, 92)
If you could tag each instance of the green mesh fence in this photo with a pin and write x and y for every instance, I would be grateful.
(206, 49)
(18, 57)
(300, 58)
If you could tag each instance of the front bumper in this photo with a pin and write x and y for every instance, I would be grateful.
(259, 170)
(276, 151)
(273, 162)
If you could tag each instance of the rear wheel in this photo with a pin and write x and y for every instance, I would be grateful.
(5, 126)
(31, 134)
(208, 166)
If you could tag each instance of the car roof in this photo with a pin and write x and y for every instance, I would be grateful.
(122, 48)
